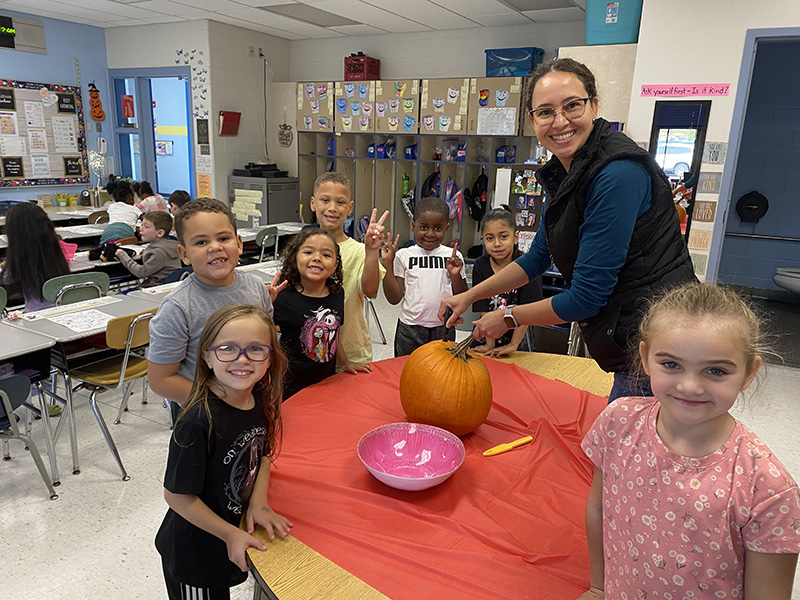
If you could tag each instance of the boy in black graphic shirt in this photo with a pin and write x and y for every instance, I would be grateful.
(421, 276)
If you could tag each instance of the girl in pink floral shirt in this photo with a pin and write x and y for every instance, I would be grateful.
(686, 502)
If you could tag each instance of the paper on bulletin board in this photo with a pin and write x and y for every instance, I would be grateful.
(12, 145)
(41, 165)
(245, 204)
(65, 134)
(502, 187)
(34, 114)
(203, 185)
(8, 123)
(497, 121)
(204, 164)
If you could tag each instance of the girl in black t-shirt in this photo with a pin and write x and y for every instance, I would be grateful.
(219, 456)
(310, 310)
(500, 238)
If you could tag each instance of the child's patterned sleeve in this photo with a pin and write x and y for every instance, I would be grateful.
(594, 443)
(774, 520)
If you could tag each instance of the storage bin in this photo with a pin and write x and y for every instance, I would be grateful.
(361, 68)
(613, 22)
(512, 62)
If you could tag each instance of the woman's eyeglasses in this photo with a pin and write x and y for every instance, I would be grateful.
(230, 353)
(573, 109)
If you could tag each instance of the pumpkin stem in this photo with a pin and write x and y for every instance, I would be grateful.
(460, 350)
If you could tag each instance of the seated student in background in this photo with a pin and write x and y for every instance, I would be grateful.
(500, 238)
(310, 310)
(150, 201)
(33, 255)
(421, 276)
(332, 203)
(160, 258)
(122, 214)
(176, 200)
(208, 241)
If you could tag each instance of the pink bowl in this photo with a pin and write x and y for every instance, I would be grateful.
(410, 456)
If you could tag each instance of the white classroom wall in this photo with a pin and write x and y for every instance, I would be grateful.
(685, 41)
(237, 84)
(452, 53)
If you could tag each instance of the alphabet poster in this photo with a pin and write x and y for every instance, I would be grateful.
(42, 134)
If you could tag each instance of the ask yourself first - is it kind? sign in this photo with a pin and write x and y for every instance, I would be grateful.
(679, 90)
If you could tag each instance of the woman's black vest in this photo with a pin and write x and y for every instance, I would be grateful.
(657, 256)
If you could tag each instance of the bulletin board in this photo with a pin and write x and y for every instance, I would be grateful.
(397, 106)
(494, 106)
(443, 105)
(42, 135)
(315, 102)
(355, 106)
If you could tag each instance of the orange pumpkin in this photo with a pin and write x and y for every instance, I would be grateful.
(444, 385)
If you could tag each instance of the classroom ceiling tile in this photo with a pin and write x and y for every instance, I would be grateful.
(555, 15)
(311, 14)
(528, 5)
(168, 8)
(352, 30)
(302, 19)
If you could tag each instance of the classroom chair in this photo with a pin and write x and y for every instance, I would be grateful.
(14, 392)
(130, 334)
(179, 274)
(369, 307)
(98, 216)
(3, 301)
(75, 287)
(267, 238)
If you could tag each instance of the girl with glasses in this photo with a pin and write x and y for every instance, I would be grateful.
(310, 310)
(219, 456)
(610, 227)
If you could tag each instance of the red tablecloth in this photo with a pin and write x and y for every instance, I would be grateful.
(509, 526)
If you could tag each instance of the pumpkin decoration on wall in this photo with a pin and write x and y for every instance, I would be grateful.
(444, 385)
(96, 105)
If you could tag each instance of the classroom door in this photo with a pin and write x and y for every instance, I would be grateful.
(152, 132)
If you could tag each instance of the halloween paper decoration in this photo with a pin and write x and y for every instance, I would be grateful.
(483, 97)
(96, 105)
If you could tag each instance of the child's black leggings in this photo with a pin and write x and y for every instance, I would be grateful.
(181, 591)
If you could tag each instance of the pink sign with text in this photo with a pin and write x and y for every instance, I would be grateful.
(685, 89)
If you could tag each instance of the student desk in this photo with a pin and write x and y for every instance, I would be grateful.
(249, 234)
(30, 351)
(508, 526)
(157, 293)
(74, 322)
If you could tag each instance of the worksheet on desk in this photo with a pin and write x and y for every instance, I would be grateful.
(85, 320)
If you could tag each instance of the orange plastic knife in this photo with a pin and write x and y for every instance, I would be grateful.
(506, 447)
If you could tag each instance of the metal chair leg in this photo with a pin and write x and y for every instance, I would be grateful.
(574, 343)
(48, 433)
(144, 389)
(6, 451)
(123, 405)
(107, 434)
(37, 458)
(370, 307)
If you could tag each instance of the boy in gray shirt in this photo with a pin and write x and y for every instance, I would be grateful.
(208, 241)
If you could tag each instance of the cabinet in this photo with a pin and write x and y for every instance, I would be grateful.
(377, 177)
(259, 201)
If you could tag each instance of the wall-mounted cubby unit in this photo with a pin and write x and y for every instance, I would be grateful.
(481, 132)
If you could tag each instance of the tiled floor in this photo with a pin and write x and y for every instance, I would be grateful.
(96, 540)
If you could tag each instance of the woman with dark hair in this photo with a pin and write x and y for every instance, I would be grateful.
(610, 226)
(150, 201)
(33, 255)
